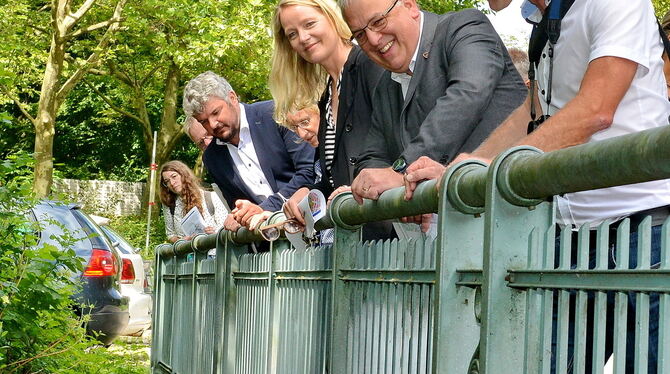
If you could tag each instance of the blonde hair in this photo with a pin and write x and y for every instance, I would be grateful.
(294, 82)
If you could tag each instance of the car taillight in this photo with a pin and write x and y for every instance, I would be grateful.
(101, 264)
(127, 272)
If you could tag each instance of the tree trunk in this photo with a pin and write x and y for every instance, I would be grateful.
(46, 119)
(170, 132)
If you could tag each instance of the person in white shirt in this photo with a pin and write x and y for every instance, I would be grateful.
(607, 81)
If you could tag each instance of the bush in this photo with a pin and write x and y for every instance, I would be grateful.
(39, 331)
(36, 319)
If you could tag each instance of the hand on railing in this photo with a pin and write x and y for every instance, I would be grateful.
(337, 191)
(257, 219)
(424, 168)
(231, 224)
(244, 210)
(370, 183)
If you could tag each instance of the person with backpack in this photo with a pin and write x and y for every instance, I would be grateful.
(180, 192)
(599, 75)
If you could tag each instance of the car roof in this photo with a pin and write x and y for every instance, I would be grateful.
(57, 218)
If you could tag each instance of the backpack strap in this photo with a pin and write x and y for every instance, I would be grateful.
(548, 30)
(208, 201)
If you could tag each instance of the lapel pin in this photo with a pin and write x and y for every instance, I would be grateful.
(425, 54)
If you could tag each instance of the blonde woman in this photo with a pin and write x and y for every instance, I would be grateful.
(314, 61)
(180, 191)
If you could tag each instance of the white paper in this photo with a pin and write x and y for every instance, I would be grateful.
(193, 223)
(313, 207)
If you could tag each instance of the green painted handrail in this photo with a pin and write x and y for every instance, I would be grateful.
(627, 159)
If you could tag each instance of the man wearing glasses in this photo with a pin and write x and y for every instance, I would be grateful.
(197, 133)
(450, 82)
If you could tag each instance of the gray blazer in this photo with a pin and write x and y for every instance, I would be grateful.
(463, 86)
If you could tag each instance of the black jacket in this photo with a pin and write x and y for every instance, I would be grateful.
(359, 78)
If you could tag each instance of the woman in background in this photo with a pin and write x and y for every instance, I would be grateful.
(180, 191)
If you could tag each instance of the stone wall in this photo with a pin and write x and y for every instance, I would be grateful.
(107, 198)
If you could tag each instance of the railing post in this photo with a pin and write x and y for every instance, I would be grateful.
(274, 306)
(346, 238)
(158, 310)
(507, 232)
(227, 255)
(459, 247)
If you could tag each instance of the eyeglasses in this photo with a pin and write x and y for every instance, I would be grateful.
(303, 124)
(271, 232)
(376, 24)
(166, 182)
(203, 141)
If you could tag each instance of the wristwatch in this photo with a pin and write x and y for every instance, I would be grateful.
(399, 165)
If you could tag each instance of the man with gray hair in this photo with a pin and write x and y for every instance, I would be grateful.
(449, 83)
(255, 162)
(197, 133)
(521, 63)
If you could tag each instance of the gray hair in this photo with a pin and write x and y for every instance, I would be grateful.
(187, 126)
(520, 59)
(199, 90)
(343, 4)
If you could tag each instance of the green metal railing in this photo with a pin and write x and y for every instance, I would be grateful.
(480, 298)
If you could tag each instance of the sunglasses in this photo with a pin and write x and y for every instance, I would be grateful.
(272, 232)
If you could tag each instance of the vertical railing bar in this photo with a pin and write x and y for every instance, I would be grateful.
(195, 333)
(406, 325)
(600, 306)
(563, 307)
(642, 302)
(341, 302)
(621, 301)
(174, 315)
(384, 306)
(547, 302)
(581, 302)
(158, 310)
(532, 352)
(414, 308)
(400, 316)
(424, 311)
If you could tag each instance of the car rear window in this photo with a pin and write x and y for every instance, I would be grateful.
(95, 235)
(57, 223)
(125, 247)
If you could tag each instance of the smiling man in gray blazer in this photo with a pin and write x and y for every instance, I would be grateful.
(449, 83)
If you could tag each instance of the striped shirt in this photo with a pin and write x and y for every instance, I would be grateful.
(329, 144)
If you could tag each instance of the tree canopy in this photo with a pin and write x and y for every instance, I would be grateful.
(104, 121)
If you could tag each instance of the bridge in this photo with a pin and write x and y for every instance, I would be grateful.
(491, 294)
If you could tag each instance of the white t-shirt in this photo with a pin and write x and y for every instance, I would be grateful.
(246, 161)
(619, 28)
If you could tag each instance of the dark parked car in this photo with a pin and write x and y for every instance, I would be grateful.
(99, 295)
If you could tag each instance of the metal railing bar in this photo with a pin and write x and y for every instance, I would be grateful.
(390, 276)
(647, 280)
(469, 278)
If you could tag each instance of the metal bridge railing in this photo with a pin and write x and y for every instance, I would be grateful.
(491, 294)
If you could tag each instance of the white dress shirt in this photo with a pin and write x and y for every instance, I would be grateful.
(246, 162)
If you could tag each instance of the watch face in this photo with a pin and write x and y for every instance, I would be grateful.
(399, 165)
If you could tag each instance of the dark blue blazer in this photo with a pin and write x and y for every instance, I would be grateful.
(286, 164)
